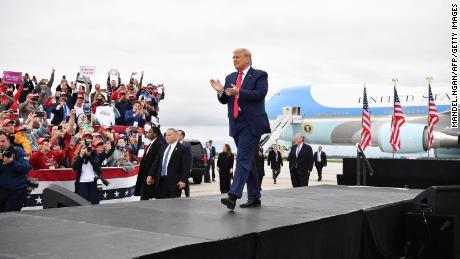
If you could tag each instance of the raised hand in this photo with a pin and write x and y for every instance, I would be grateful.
(217, 85)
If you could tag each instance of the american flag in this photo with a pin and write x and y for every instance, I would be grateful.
(433, 117)
(366, 135)
(396, 122)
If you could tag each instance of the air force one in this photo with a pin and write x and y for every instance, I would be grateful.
(331, 115)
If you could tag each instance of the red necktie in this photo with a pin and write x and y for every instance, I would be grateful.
(235, 103)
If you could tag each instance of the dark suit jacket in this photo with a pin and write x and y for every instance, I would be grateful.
(178, 167)
(323, 159)
(303, 162)
(271, 159)
(212, 152)
(146, 163)
(78, 163)
(189, 149)
(251, 101)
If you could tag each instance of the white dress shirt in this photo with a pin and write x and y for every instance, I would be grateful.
(172, 147)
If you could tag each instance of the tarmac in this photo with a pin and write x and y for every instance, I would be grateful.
(282, 182)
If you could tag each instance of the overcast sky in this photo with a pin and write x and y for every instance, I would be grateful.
(184, 43)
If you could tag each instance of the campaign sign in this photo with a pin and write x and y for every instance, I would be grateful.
(88, 71)
(10, 77)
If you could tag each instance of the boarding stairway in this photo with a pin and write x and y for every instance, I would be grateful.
(281, 123)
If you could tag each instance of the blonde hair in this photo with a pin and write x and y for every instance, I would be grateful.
(245, 52)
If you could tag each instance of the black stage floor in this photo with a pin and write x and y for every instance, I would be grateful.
(200, 227)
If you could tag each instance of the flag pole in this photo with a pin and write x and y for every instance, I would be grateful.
(429, 79)
(394, 80)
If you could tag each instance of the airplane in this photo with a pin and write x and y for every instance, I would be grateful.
(331, 115)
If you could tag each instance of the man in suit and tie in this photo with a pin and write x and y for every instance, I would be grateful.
(320, 161)
(151, 152)
(170, 170)
(300, 162)
(275, 161)
(189, 149)
(211, 162)
(244, 93)
(210, 152)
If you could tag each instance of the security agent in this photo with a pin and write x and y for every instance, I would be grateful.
(13, 175)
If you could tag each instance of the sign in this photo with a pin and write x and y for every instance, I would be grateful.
(88, 70)
(10, 77)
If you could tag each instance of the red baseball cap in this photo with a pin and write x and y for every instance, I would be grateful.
(86, 135)
(20, 128)
(6, 122)
(41, 140)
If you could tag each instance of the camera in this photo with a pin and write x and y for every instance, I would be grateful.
(99, 181)
(8, 153)
(32, 184)
(35, 99)
(88, 145)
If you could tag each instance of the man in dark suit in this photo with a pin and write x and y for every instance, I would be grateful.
(300, 162)
(210, 152)
(275, 160)
(211, 162)
(150, 153)
(170, 170)
(189, 149)
(244, 93)
(320, 161)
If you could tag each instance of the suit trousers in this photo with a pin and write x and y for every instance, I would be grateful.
(245, 171)
(299, 179)
(319, 169)
(276, 172)
(162, 191)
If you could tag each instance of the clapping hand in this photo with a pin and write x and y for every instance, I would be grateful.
(217, 85)
(233, 90)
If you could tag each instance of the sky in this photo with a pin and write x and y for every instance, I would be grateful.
(183, 44)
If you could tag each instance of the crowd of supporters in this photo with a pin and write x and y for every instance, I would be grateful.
(52, 122)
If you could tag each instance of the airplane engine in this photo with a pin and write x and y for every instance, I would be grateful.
(412, 138)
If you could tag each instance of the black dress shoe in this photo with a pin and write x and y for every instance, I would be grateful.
(229, 201)
(251, 203)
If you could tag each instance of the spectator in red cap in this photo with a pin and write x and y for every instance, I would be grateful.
(8, 128)
(44, 157)
(99, 91)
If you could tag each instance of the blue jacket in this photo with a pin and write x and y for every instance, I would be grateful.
(130, 119)
(14, 175)
(251, 101)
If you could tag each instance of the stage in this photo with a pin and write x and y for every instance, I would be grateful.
(313, 222)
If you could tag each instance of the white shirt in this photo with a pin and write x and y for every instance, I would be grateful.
(105, 115)
(245, 72)
(78, 110)
(242, 80)
(87, 173)
(150, 144)
(208, 152)
(318, 158)
(171, 147)
(299, 147)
